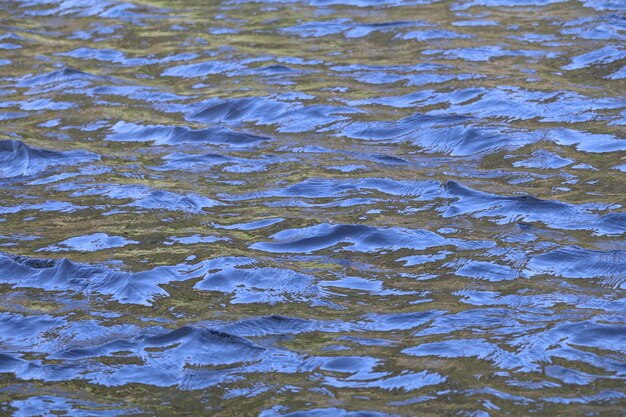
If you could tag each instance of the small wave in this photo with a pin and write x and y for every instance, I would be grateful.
(18, 159)
(168, 135)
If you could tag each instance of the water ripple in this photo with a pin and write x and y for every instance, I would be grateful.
(312, 207)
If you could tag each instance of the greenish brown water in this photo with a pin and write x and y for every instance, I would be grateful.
(312, 208)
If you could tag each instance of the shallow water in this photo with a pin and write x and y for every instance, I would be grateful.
(313, 207)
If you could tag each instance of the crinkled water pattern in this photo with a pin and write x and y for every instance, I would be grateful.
(313, 208)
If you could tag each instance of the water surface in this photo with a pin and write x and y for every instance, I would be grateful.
(312, 207)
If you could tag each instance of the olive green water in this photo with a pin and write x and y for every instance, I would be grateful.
(439, 189)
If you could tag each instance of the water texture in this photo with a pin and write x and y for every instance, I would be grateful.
(313, 208)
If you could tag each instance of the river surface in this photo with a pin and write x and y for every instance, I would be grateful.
(351, 208)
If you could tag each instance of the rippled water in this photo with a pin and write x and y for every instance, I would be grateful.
(313, 207)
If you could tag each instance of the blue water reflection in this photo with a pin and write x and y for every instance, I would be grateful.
(312, 207)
